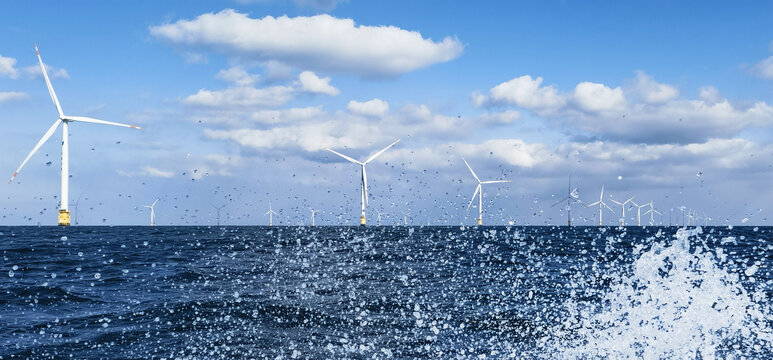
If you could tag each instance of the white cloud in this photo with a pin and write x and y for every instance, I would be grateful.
(7, 67)
(375, 107)
(653, 92)
(647, 111)
(319, 43)
(595, 97)
(34, 72)
(242, 97)
(285, 116)
(238, 76)
(527, 93)
(11, 96)
(764, 68)
(310, 82)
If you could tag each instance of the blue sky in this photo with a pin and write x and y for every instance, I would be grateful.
(238, 99)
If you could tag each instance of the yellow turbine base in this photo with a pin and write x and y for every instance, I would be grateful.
(362, 221)
(64, 218)
(480, 221)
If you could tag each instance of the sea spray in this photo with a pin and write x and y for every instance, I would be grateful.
(679, 302)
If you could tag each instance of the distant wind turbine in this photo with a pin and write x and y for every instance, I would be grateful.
(479, 192)
(270, 214)
(638, 212)
(218, 212)
(652, 213)
(152, 212)
(622, 204)
(572, 196)
(64, 120)
(601, 205)
(364, 185)
(405, 217)
(378, 221)
(312, 215)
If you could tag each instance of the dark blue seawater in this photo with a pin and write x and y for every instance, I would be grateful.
(385, 292)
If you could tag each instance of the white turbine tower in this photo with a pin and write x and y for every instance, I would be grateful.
(622, 204)
(638, 212)
(312, 215)
(364, 185)
(479, 192)
(405, 218)
(378, 220)
(64, 120)
(152, 212)
(652, 213)
(601, 205)
(270, 214)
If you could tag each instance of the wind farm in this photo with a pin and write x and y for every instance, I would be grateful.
(364, 126)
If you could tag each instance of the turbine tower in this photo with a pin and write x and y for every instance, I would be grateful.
(479, 192)
(152, 212)
(364, 185)
(652, 213)
(601, 205)
(572, 196)
(64, 120)
(638, 212)
(622, 204)
(271, 214)
(218, 212)
(378, 221)
(405, 218)
(312, 215)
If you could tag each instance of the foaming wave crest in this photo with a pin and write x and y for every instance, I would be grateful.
(679, 302)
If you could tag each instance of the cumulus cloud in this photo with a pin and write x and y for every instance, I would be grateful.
(11, 96)
(238, 76)
(375, 107)
(647, 111)
(319, 43)
(310, 82)
(7, 67)
(242, 97)
(525, 92)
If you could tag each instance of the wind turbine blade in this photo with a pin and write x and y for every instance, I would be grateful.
(473, 173)
(631, 199)
(607, 206)
(379, 153)
(616, 202)
(601, 197)
(42, 140)
(648, 211)
(496, 181)
(97, 121)
(154, 203)
(344, 156)
(657, 212)
(596, 203)
(365, 184)
(48, 83)
(477, 189)
(560, 201)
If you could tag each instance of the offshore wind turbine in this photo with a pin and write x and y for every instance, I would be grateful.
(622, 204)
(152, 212)
(364, 185)
(601, 205)
(312, 215)
(64, 120)
(652, 212)
(479, 192)
(218, 212)
(405, 218)
(638, 212)
(572, 196)
(378, 221)
(270, 214)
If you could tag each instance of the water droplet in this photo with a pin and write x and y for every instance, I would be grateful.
(97, 276)
(15, 267)
(48, 163)
(10, 273)
(699, 174)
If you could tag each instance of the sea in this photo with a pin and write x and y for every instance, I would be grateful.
(387, 292)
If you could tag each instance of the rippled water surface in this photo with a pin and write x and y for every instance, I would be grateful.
(385, 292)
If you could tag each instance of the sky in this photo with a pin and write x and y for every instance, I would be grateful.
(667, 102)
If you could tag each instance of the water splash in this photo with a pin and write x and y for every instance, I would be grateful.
(677, 303)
